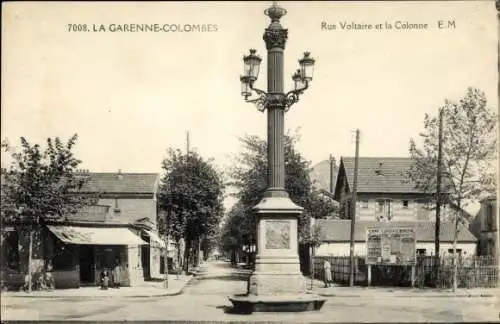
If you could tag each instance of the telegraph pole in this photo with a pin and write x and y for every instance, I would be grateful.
(438, 197)
(353, 211)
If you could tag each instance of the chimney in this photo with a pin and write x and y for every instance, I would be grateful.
(120, 175)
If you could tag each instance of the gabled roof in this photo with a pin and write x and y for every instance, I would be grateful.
(339, 230)
(117, 182)
(386, 174)
(377, 175)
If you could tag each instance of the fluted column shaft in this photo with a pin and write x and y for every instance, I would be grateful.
(275, 121)
(275, 38)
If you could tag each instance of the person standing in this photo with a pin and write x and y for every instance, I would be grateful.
(116, 274)
(327, 273)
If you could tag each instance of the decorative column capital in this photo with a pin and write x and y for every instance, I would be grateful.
(275, 38)
(275, 35)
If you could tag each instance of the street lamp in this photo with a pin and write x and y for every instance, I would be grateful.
(301, 79)
(276, 276)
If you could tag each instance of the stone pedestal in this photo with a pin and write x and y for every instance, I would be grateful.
(277, 284)
(277, 264)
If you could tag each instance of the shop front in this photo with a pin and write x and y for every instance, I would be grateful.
(84, 253)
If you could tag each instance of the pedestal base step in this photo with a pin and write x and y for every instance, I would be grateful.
(247, 304)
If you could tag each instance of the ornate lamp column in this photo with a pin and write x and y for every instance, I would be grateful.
(277, 276)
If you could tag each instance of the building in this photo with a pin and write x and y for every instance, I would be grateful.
(484, 226)
(385, 192)
(335, 237)
(386, 196)
(119, 231)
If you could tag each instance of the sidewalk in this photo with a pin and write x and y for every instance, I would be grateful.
(357, 291)
(146, 289)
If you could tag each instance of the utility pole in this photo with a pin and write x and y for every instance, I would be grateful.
(353, 211)
(311, 231)
(187, 142)
(437, 262)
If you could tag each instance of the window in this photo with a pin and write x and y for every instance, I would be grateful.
(12, 250)
(405, 204)
(450, 251)
(116, 209)
(489, 218)
(380, 206)
(421, 251)
(364, 203)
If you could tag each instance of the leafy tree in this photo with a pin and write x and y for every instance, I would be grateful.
(41, 185)
(249, 178)
(192, 191)
(468, 149)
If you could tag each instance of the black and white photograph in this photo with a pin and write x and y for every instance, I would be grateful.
(250, 161)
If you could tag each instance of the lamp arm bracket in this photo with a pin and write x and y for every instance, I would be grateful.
(258, 91)
(293, 96)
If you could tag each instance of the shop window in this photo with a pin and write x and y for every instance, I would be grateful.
(12, 250)
(364, 204)
(63, 258)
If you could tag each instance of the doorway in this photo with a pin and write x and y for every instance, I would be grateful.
(86, 261)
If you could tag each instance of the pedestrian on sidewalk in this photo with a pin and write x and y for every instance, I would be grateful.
(104, 280)
(116, 274)
(327, 273)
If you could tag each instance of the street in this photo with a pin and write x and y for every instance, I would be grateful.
(206, 299)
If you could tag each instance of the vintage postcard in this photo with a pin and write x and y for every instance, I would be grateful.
(286, 161)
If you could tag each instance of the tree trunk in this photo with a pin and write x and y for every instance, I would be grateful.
(30, 261)
(455, 236)
(187, 250)
(166, 261)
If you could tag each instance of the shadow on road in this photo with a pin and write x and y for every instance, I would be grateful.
(223, 277)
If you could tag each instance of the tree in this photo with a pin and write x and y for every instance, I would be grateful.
(41, 185)
(193, 189)
(249, 178)
(468, 149)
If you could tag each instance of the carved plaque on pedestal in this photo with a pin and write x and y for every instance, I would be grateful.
(277, 234)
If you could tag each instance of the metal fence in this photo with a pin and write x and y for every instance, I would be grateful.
(472, 272)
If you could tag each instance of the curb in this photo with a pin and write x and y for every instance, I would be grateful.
(171, 293)
(447, 295)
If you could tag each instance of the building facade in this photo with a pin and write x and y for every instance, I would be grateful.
(485, 227)
(387, 197)
(108, 236)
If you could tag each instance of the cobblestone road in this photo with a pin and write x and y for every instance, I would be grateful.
(206, 299)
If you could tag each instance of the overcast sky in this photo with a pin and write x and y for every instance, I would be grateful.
(132, 95)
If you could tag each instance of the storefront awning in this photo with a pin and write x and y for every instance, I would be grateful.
(155, 238)
(96, 235)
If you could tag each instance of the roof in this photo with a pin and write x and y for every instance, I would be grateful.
(339, 230)
(380, 174)
(320, 175)
(117, 182)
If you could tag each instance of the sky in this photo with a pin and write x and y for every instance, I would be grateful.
(132, 95)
